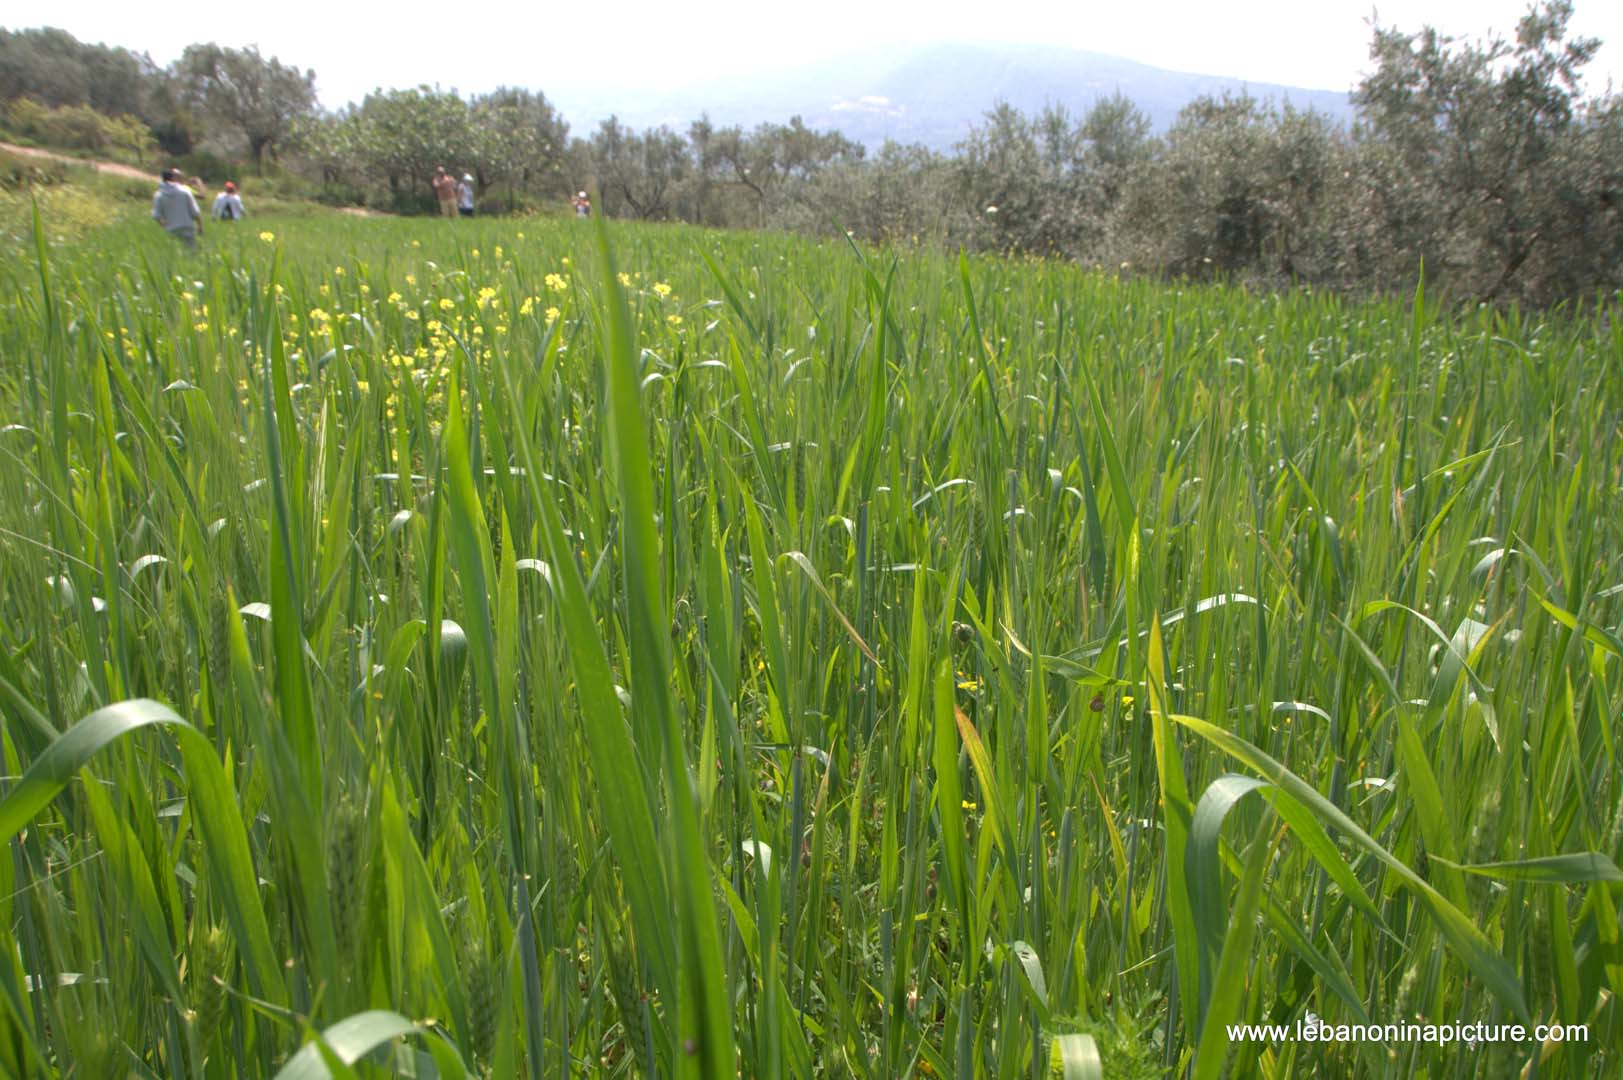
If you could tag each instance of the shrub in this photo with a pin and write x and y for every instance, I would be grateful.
(81, 128)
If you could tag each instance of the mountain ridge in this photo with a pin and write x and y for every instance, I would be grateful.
(929, 94)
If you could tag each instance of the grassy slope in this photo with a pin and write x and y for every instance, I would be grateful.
(1183, 501)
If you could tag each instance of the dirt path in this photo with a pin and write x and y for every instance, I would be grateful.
(114, 168)
(111, 168)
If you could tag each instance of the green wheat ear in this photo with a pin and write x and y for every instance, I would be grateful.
(218, 648)
(628, 1000)
(347, 869)
(211, 958)
(482, 975)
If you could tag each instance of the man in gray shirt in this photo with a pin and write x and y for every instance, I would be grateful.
(175, 208)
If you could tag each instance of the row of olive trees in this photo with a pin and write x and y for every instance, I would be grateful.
(386, 150)
(1485, 162)
(715, 176)
(519, 149)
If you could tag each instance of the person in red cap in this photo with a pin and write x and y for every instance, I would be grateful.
(228, 204)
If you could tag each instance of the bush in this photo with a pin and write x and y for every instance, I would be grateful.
(212, 168)
(81, 128)
(18, 172)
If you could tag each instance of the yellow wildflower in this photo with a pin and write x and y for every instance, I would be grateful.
(662, 289)
(268, 237)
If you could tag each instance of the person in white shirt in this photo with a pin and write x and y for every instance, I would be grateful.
(464, 195)
(228, 204)
(175, 208)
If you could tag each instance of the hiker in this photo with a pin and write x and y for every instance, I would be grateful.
(582, 205)
(175, 208)
(228, 204)
(464, 195)
(444, 185)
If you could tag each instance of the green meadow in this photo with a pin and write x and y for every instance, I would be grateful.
(514, 649)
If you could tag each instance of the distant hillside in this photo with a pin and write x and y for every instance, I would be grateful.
(931, 94)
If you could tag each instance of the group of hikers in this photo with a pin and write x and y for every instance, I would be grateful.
(456, 197)
(174, 206)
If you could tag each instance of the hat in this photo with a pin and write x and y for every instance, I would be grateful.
(582, 195)
(229, 186)
(468, 177)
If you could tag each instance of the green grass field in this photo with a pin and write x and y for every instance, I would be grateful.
(438, 647)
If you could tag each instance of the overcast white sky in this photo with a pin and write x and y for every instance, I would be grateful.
(663, 44)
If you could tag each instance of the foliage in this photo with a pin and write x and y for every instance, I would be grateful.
(253, 96)
(520, 140)
(404, 135)
(78, 127)
(56, 69)
(1484, 160)
(638, 172)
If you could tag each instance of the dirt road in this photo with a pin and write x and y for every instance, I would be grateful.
(111, 168)
(114, 168)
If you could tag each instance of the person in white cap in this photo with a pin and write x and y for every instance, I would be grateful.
(582, 204)
(464, 195)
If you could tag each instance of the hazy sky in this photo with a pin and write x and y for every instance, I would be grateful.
(646, 45)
